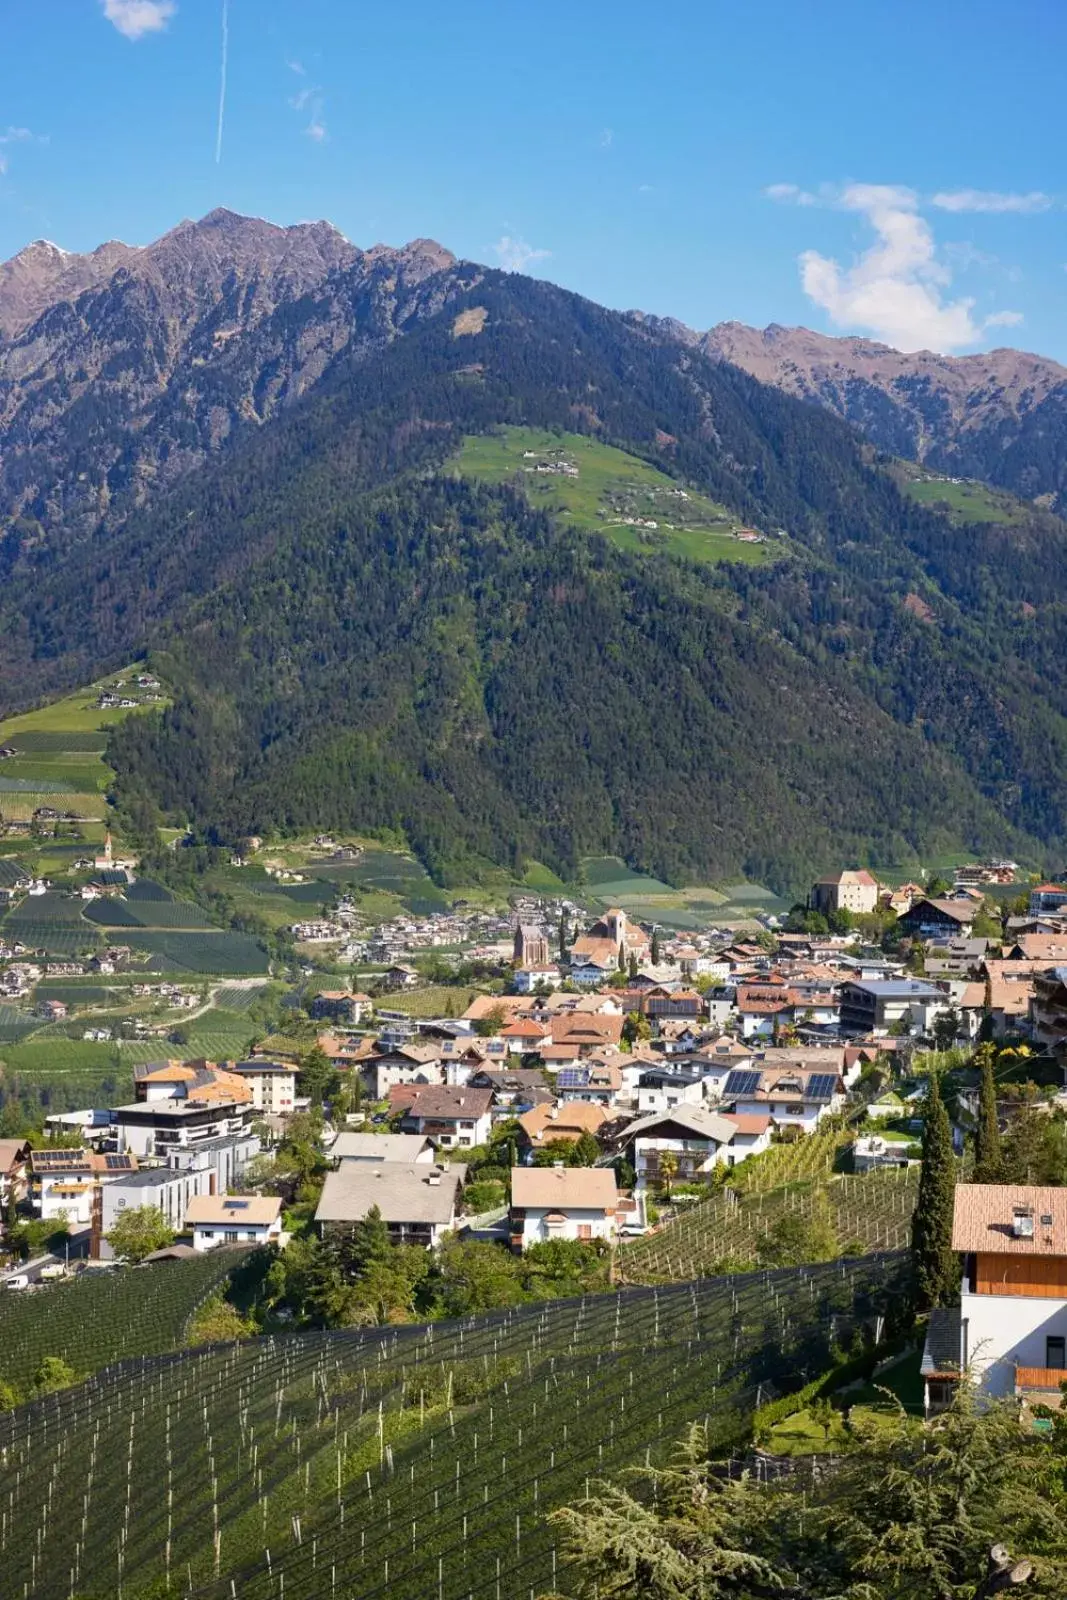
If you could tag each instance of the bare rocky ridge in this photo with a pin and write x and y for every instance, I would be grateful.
(123, 368)
(1000, 416)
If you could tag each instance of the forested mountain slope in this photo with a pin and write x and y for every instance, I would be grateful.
(355, 638)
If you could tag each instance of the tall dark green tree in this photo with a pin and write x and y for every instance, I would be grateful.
(563, 936)
(655, 947)
(933, 1259)
(988, 1158)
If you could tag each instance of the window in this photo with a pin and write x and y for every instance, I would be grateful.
(1056, 1354)
(585, 1231)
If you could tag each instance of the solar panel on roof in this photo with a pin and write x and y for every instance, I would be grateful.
(742, 1081)
(118, 1163)
(822, 1086)
(572, 1077)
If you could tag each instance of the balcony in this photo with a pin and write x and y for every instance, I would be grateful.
(1039, 1380)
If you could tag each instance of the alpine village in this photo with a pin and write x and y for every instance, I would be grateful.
(533, 1057)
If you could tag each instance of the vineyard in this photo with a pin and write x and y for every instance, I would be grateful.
(417, 1463)
(871, 1211)
(101, 1317)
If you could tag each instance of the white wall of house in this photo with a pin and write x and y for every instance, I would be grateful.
(662, 1098)
(273, 1093)
(1000, 1330)
(694, 1156)
(66, 1200)
(575, 1221)
(207, 1237)
(756, 1025)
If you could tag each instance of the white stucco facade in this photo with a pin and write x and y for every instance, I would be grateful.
(999, 1332)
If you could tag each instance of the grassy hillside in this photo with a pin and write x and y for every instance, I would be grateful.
(963, 500)
(612, 492)
(58, 762)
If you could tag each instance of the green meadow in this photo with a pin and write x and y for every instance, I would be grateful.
(611, 486)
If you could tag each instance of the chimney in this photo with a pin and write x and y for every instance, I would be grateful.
(434, 1178)
(557, 1166)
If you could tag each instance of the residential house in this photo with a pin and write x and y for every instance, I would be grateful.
(223, 1219)
(675, 1083)
(401, 976)
(411, 1149)
(272, 1084)
(685, 1004)
(696, 1139)
(1011, 1324)
(452, 1118)
(63, 1183)
(342, 1005)
(596, 1082)
(792, 1096)
(938, 919)
(1048, 1008)
(587, 1033)
(562, 1203)
(1048, 898)
(527, 980)
(418, 1202)
(409, 1063)
(14, 1171)
(524, 1036)
(511, 1086)
(908, 1004)
(854, 891)
(762, 1009)
(197, 1082)
(546, 1123)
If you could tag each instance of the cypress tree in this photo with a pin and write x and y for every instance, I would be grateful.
(988, 1160)
(933, 1259)
(654, 952)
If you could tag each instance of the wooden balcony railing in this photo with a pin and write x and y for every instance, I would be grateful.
(1048, 1378)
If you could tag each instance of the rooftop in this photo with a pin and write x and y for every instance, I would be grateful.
(401, 1192)
(234, 1211)
(577, 1188)
(1010, 1219)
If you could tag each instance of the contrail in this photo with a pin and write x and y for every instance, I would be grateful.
(222, 78)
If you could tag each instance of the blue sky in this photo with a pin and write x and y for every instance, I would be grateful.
(884, 167)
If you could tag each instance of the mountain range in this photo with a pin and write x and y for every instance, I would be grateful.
(239, 449)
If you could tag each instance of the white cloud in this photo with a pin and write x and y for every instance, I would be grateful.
(311, 100)
(1004, 319)
(607, 138)
(135, 18)
(897, 289)
(515, 255)
(298, 68)
(990, 200)
(790, 194)
(12, 135)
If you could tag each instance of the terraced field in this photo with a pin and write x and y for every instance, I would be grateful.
(414, 1462)
(99, 1317)
(869, 1212)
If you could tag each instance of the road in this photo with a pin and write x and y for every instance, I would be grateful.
(78, 1251)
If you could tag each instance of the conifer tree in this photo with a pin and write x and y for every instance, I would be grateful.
(988, 1158)
(563, 936)
(654, 953)
(933, 1259)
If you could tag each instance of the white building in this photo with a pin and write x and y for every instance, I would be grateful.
(1013, 1299)
(696, 1139)
(418, 1201)
(234, 1219)
(562, 1203)
(273, 1086)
